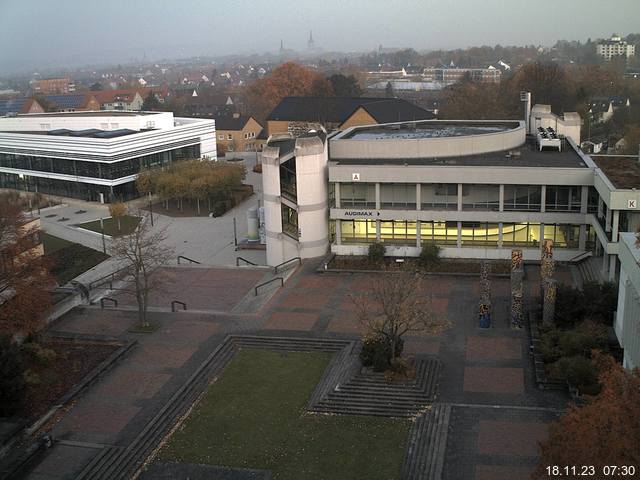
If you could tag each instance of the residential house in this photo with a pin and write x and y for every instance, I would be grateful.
(238, 133)
(125, 99)
(20, 105)
(77, 102)
(338, 113)
(53, 86)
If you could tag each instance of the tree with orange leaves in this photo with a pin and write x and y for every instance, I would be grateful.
(289, 79)
(24, 273)
(603, 432)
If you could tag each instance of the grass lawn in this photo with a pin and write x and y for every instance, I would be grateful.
(69, 259)
(127, 225)
(254, 417)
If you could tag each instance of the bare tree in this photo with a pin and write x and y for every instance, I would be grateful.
(143, 252)
(396, 304)
(117, 210)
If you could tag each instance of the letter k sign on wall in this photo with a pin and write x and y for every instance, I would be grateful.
(355, 177)
(632, 204)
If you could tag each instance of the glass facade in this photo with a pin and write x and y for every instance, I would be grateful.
(522, 197)
(398, 195)
(525, 234)
(87, 169)
(563, 199)
(481, 197)
(400, 231)
(358, 231)
(441, 233)
(288, 186)
(480, 234)
(563, 236)
(289, 221)
(439, 196)
(358, 195)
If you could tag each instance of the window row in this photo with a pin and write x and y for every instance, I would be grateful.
(109, 171)
(444, 196)
(526, 234)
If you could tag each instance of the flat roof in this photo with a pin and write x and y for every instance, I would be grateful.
(622, 172)
(526, 155)
(430, 129)
(87, 133)
(90, 113)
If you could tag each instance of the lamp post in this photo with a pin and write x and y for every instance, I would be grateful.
(150, 209)
(104, 245)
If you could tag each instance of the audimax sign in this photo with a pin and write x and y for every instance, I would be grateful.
(361, 213)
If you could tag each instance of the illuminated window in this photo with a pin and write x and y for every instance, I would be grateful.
(563, 236)
(526, 234)
(399, 232)
(479, 234)
(358, 231)
(441, 233)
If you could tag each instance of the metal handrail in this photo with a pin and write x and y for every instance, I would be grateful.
(173, 305)
(582, 256)
(115, 302)
(244, 260)
(187, 258)
(267, 283)
(107, 278)
(275, 269)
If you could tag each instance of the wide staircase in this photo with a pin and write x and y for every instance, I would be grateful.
(588, 270)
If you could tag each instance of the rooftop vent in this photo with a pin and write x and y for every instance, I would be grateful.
(548, 138)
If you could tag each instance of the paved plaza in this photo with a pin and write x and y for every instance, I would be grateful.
(498, 415)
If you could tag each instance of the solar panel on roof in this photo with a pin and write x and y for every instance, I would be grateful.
(59, 131)
(89, 132)
(114, 133)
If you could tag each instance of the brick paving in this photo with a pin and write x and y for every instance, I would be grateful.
(493, 380)
(489, 368)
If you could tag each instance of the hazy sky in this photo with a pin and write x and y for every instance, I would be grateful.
(59, 33)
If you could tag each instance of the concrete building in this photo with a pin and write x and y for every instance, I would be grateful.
(294, 181)
(615, 47)
(627, 323)
(96, 155)
(476, 188)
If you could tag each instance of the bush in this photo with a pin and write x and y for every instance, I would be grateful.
(596, 301)
(429, 255)
(38, 354)
(376, 352)
(12, 385)
(582, 339)
(376, 252)
(577, 370)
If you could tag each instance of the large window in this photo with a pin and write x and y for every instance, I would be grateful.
(398, 195)
(563, 236)
(481, 197)
(522, 197)
(592, 200)
(289, 221)
(479, 234)
(563, 199)
(288, 186)
(358, 231)
(357, 195)
(441, 233)
(439, 196)
(399, 232)
(526, 234)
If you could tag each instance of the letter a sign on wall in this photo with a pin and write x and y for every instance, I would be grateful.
(355, 177)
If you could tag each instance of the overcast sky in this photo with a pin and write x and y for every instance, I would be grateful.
(60, 33)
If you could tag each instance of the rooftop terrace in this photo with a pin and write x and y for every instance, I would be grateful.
(430, 129)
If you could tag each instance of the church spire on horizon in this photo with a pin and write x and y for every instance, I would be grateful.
(311, 43)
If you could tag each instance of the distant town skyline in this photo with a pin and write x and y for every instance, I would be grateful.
(43, 35)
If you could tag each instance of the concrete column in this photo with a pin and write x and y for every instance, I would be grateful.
(582, 239)
(543, 198)
(501, 204)
(336, 193)
(500, 235)
(607, 220)
(338, 232)
(605, 264)
(418, 197)
(600, 207)
(615, 226)
(377, 221)
(584, 199)
(418, 234)
(459, 242)
(612, 267)
(459, 201)
(378, 197)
